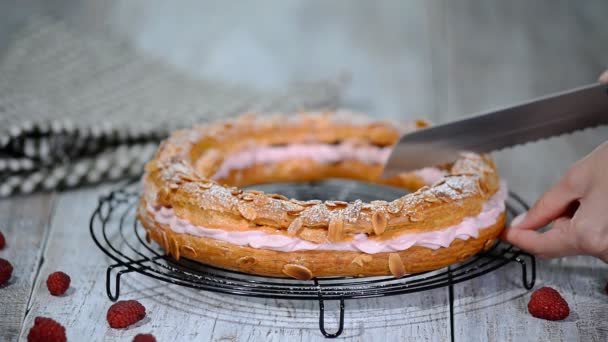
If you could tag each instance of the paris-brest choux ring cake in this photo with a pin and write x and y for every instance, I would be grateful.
(193, 207)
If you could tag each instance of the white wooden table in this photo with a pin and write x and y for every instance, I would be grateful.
(49, 232)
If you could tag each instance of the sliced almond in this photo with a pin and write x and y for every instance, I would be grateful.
(336, 226)
(330, 204)
(294, 226)
(395, 265)
(173, 186)
(206, 185)
(341, 203)
(247, 197)
(246, 261)
(236, 192)
(165, 242)
(294, 212)
(311, 203)
(362, 259)
(297, 271)
(463, 256)
(148, 239)
(279, 197)
(379, 222)
(175, 249)
(488, 244)
(415, 216)
(248, 212)
(191, 250)
(395, 207)
(431, 198)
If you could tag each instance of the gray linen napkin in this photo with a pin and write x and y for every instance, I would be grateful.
(78, 109)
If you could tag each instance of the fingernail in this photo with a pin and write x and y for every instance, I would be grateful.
(518, 219)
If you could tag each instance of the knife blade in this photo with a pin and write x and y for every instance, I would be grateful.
(541, 118)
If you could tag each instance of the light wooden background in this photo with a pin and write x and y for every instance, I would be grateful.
(438, 59)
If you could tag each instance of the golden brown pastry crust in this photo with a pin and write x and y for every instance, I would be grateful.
(179, 177)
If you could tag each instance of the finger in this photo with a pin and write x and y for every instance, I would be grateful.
(604, 77)
(553, 243)
(553, 204)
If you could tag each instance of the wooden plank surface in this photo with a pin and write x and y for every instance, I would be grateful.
(494, 307)
(24, 223)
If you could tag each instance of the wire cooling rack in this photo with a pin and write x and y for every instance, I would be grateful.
(118, 233)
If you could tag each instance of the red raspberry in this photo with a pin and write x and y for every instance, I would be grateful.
(58, 283)
(124, 313)
(144, 338)
(546, 303)
(6, 270)
(46, 330)
(2, 241)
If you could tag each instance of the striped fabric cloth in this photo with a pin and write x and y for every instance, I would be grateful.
(78, 109)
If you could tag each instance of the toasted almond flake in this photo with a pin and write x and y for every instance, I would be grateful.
(362, 259)
(294, 212)
(330, 204)
(294, 226)
(206, 185)
(488, 244)
(297, 271)
(379, 222)
(336, 225)
(236, 192)
(175, 249)
(341, 203)
(173, 186)
(148, 239)
(395, 265)
(165, 242)
(463, 256)
(311, 203)
(248, 212)
(415, 216)
(255, 192)
(246, 261)
(379, 203)
(431, 198)
(190, 249)
(279, 197)
(261, 200)
(395, 207)
(247, 197)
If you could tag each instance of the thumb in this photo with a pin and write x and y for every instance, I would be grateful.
(551, 205)
(604, 77)
(553, 243)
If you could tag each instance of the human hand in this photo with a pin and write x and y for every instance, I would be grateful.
(578, 207)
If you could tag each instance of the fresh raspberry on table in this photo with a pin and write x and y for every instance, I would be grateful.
(46, 330)
(58, 283)
(547, 303)
(144, 338)
(124, 313)
(2, 241)
(6, 270)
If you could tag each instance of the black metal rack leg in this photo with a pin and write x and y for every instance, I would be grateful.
(114, 297)
(451, 300)
(322, 319)
(528, 283)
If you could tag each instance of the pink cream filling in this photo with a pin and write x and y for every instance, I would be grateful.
(320, 153)
(466, 229)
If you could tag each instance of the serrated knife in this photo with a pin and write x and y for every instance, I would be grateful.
(541, 118)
